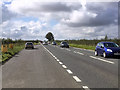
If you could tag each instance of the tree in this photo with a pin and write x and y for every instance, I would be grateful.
(106, 37)
(49, 36)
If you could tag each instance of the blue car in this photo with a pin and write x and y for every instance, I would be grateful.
(107, 49)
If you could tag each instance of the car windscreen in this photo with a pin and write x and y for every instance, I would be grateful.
(65, 43)
(29, 44)
(110, 45)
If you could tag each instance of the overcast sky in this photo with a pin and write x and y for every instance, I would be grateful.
(32, 19)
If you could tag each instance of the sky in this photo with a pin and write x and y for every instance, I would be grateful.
(33, 19)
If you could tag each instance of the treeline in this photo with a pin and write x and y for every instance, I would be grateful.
(19, 41)
(90, 42)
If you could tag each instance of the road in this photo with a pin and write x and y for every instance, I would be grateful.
(54, 67)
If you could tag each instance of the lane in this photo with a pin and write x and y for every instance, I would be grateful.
(35, 69)
(94, 73)
(91, 53)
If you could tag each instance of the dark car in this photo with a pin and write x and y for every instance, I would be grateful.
(107, 49)
(54, 43)
(29, 45)
(64, 44)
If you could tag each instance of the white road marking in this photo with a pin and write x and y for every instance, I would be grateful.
(84, 49)
(69, 71)
(60, 63)
(102, 60)
(75, 52)
(80, 53)
(58, 60)
(68, 49)
(85, 87)
(64, 66)
(77, 79)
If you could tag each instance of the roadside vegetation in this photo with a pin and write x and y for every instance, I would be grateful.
(88, 44)
(11, 47)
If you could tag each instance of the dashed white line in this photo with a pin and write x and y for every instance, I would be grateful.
(64, 66)
(85, 87)
(84, 49)
(102, 60)
(60, 63)
(68, 49)
(80, 53)
(58, 60)
(76, 79)
(69, 71)
(75, 52)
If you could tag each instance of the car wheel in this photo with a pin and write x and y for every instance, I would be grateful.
(96, 53)
(104, 55)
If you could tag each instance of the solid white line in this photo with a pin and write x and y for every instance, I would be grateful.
(60, 63)
(102, 60)
(69, 71)
(85, 87)
(64, 66)
(76, 79)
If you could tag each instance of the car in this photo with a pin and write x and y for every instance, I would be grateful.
(107, 49)
(45, 43)
(29, 45)
(54, 43)
(64, 44)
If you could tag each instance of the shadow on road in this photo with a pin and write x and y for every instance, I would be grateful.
(32, 49)
(114, 57)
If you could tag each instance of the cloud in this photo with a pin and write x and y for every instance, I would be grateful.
(35, 6)
(23, 30)
(65, 32)
(96, 14)
(72, 21)
(6, 14)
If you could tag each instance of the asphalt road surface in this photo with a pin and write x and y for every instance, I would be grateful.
(50, 66)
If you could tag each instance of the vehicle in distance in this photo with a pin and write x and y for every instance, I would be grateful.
(29, 45)
(64, 44)
(107, 49)
(45, 43)
(54, 43)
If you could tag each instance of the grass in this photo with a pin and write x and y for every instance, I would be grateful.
(11, 52)
(83, 46)
(36, 43)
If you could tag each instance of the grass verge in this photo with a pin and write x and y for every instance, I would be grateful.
(83, 46)
(11, 52)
